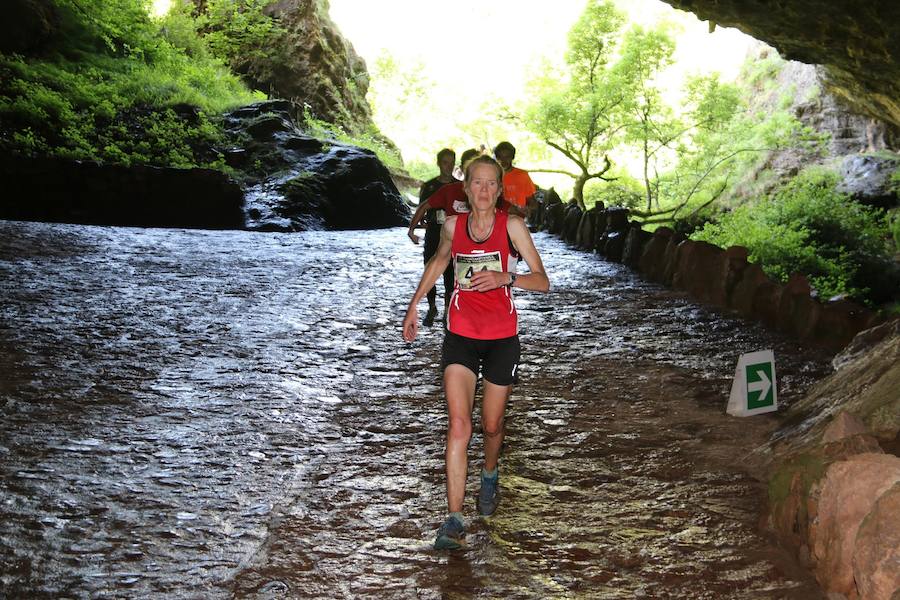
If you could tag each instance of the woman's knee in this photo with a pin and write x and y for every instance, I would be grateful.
(460, 428)
(492, 427)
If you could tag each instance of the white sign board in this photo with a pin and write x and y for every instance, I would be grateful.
(754, 390)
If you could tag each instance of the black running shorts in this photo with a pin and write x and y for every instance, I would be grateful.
(432, 240)
(498, 359)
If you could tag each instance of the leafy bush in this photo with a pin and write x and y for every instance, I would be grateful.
(624, 191)
(894, 220)
(107, 90)
(808, 227)
(239, 31)
(421, 169)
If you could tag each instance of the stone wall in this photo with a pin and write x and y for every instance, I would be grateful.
(58, 190)
(720, 277)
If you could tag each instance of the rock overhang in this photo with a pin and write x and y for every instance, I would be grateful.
(858, 42)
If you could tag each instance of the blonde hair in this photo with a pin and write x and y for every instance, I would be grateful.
(482, 159)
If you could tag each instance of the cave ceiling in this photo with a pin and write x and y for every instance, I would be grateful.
(856, 41)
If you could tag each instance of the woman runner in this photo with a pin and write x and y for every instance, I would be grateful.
(482, 331)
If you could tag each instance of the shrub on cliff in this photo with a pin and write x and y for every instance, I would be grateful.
(808, 227)
(110, 86)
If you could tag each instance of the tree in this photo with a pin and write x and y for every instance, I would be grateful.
(649, 123)
(703, 146)
(576, 117)
(718, 138)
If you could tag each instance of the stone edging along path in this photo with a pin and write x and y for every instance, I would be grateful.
(834, 476)
(712, 275)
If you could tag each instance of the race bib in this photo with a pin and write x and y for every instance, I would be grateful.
(469, 264)
(461, 206)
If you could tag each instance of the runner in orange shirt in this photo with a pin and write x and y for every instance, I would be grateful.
(518, 189)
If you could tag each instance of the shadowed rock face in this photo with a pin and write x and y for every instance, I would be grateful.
(857, 42)
(27, 24)
(298, 182)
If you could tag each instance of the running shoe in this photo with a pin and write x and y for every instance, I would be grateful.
(489, 495)
(451, 535)
(428, 321)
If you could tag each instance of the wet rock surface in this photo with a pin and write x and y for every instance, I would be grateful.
(299, 182)
(217, 414)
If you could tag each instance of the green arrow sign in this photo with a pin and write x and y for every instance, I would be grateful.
(754, 389)
(759, 385)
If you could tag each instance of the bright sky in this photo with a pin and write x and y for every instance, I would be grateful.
(513, 36)
(160, 7)
(445, 36)
(438, 34)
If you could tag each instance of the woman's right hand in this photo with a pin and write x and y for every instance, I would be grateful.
(411, 324)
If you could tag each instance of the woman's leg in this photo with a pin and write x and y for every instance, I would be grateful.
(493, 408)
(459, 385)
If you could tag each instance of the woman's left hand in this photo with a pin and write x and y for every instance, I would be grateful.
(484, 281)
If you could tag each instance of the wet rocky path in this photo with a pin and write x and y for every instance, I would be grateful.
(225, 414)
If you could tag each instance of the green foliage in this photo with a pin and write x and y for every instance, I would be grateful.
(420, 169)
(400, 85)
(760, 71)
(723, 154)
(895, 182)
(107, 93)
(808, 227)
(576, 116)
(371, 139)
(239, 31)
(401, 98)
(591, 43)
(121, 28)
(182, 31)
(624, 191)
(649, 123)
(894, 221)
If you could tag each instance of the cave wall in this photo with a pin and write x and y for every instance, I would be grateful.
(314, 65)
(856, 41)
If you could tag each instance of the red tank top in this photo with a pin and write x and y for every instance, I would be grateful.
(487, 315)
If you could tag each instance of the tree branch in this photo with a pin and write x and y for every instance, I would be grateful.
(572, 175)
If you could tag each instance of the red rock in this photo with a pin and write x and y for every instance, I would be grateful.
(652, 262)
(843, 425)
(671, 254)
(765, 302)
(840, 321)
(741, 298)
(737, 252)
(848, 493)
(701, 271)
(876, 556)
(794, 292)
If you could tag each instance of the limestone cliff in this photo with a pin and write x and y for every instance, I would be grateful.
(863, 148)
(312, 64)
